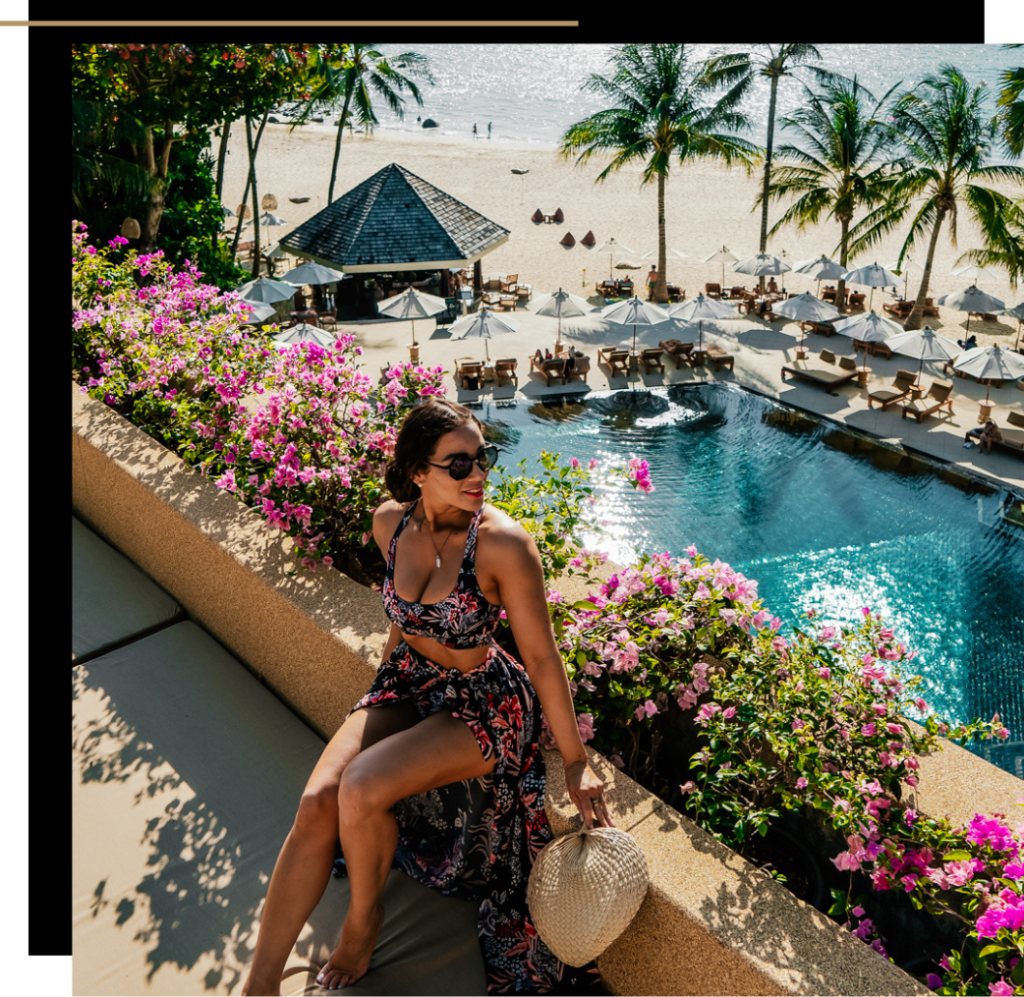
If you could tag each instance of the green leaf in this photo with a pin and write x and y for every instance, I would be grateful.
(956, 856)
(583, 604)
(991, 949)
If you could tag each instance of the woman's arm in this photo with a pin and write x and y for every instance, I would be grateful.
(521, 585)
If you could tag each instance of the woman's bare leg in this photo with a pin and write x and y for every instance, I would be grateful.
(437, 751)
(303, 866)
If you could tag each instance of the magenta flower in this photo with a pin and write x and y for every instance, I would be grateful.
(801, 783)
(1001, 988)
(729, 712)
(933, 982)
(688, 787)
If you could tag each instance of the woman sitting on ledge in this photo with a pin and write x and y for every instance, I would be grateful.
(448, 704)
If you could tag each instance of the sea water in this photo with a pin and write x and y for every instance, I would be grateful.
(531, 93)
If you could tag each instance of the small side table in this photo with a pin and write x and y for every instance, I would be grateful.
(801, 353)
(488, 371)
(984, 412)
(634, 361)
(916, 391)
(862, 376)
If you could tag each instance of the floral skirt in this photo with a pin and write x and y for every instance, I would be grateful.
(478, 839)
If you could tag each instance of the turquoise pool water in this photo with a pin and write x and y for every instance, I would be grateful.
(820, 517)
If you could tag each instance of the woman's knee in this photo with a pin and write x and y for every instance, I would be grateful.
(318, 812)
(361, 791)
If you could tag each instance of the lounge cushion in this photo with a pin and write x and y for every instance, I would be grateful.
(186, 773)
(111, 598)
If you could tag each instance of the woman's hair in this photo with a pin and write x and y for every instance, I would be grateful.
(417, 438)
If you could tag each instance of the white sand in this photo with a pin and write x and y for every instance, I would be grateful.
(707, 206)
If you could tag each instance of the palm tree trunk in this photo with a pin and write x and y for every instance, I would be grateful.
(767, 169)
(255, 202)
(248, 180)
(914, 318)
(222, 154)
(844, 238)
(157, 185)
(661, 284)
(337, 147)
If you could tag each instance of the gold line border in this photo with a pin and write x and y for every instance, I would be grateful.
(289, 24)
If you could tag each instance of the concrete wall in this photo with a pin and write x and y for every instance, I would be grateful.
(711, 923)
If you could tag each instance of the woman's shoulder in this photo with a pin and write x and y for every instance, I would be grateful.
(501, 533)
(386, 518)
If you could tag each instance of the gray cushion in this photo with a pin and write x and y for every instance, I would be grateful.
(186, 773)
(111, 598)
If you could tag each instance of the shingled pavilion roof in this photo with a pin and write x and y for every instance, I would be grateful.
(395, 221)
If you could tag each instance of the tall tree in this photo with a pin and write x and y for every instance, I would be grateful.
(842, 162)
(744, 68)
(1011, 103)
(662, 111)
(948, 139)
(353, 76)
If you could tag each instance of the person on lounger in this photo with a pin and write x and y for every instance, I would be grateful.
(986, 436)
(970, 343)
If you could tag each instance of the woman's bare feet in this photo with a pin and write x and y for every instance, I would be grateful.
(351, 959)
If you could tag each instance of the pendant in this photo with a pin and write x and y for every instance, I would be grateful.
(437, 560)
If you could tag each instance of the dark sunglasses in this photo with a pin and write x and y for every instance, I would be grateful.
(461, 464)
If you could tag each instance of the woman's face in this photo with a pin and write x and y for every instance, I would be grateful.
(439, 486)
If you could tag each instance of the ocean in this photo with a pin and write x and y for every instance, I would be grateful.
(530, 93)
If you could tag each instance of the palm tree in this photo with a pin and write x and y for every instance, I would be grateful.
(943, 128)
(744, 67)
(361, 72)
(96, 131)
(660, 112)
(840, 165)
(1011, 100)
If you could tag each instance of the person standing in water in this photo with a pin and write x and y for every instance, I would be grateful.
(489, 123)
(474, 129)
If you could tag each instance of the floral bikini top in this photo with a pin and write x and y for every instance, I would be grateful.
(461, 620)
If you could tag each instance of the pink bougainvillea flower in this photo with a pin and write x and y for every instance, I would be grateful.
(729, 712)
(688, 787)
(801, 783)
(1001, 988)
(933, 982)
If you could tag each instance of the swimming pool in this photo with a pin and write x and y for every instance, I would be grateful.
(820, 516)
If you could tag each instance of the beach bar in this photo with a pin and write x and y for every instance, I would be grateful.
(393, 231)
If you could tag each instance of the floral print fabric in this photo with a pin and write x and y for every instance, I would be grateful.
(463, 619)
(478, 839)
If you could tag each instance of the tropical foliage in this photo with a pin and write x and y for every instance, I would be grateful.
(840, 163)
(352, 76)
(662, 111)
(948, 141)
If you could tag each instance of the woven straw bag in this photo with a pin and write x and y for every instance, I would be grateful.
(584, 890)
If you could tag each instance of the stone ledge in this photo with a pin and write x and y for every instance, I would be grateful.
(712, 923)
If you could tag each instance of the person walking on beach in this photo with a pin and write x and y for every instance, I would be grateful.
(474, 129)
(448, 704)
(489, 123)
(652, 279)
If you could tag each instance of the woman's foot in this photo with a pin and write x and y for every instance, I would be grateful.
(351, 959)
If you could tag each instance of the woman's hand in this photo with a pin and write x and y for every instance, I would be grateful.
(587, 792)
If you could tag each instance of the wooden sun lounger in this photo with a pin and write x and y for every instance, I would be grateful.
(939, 394)
(677, 350)
(652, 358)
(901, 385)
(615, 357)
(822, 328)
(719, 358)
(548, 368)
(468, 367)
(1013, 439)
(505, 370)
(820, 374)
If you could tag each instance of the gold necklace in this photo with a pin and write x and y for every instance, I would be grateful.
(437, 550)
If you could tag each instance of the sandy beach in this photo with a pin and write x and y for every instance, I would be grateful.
(707, 206)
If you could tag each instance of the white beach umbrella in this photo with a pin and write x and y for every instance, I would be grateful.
(271, 220)
(872, 276)
(806, 308)
(1016, 312)
(723, 256)
(612, 245)
(558, 304)
(312, 273)
(972, 300)
(304, 333)
(412, 304)
(923, 344)
(634, 312)
(700, 308)
(990, 362)
(259, 314)
(267, 291)
(761, 265)
(819, 269)
(904, 271)
(868, 328)
(483, 324)
(974, 271)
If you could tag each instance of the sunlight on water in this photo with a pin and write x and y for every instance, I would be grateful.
(819, 516)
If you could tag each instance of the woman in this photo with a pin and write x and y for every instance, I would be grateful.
(448, 704)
